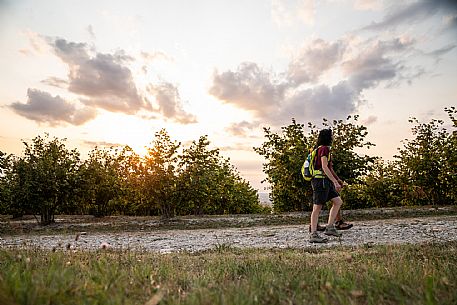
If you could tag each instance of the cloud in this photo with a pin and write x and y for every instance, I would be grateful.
(268, 100)
(321, 101)
(169, 103)
(102, 144)
(237, 146)
(36, 42)
(42, 107)
(241, 128)
(103, 79)
(249, 88)
(287, 12)
(409, 75)
(55, 82)
(298, 94)
(158, 55)
(412, 12)
(436, 54)
(91, 32)
(314, 60)
(377, 62)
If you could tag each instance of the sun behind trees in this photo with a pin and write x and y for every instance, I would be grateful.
(50, 180)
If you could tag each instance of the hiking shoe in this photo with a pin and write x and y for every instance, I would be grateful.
(316, 238)
(341, 225)
(331, 231)
(319, 228)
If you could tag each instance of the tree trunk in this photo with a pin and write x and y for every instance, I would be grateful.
(47, 217)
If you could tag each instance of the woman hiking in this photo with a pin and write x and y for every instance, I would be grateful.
(326, 187)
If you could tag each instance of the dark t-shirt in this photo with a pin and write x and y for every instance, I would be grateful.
(323, 151)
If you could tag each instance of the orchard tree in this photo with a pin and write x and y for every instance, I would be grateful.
(160, 175)
(198, 166)
(102, 183)
(379, 188)
(449, 174)
(209, 184)
(131, 182)
(43, 181)
(4, 163)
(427, 163)
(234, 195)
(350, 166)
(285, 153)
(5, 194)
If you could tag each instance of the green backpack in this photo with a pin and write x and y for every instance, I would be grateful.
(307, 170)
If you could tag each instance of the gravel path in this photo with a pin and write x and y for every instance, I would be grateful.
(392, 231)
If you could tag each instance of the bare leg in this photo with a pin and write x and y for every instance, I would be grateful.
(315, 217)
(337, 202)
(338, 216)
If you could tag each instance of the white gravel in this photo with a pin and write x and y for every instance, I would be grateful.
(391, 231)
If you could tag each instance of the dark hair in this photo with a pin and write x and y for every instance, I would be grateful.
(324, 138)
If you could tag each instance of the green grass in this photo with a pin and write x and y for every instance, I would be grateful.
(407, 274)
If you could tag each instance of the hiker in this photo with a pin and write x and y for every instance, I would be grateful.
(326, 187)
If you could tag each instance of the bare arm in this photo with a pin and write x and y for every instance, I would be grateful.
(336, 177)
(329, 173)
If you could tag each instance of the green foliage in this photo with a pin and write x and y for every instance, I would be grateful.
(49, 179)
(130, 170)
(234, 195)
(423, 172)
(101, 181)
(427, 164)
(43, 181)
(5, 166)
(449, 174)
(208, 184)
(19, 181)
(348, 136)
(381, 185)
(286, 152)
(160, 176)
(420, 161)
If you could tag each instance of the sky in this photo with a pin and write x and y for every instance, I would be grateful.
(103, 73)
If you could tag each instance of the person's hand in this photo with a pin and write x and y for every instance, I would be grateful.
(338, 186)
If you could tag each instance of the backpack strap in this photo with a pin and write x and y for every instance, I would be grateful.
(317, 173)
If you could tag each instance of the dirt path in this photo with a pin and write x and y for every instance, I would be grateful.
(391, 231)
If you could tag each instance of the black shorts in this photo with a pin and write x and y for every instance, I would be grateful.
(323, 190)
